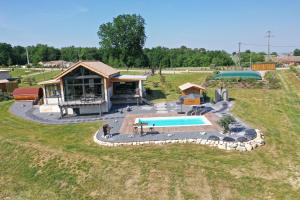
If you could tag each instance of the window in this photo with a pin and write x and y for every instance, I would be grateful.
(52, 91)
(82, 83)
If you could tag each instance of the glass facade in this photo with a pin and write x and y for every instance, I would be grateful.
(52, 91)
(126, 88)
(82, 84)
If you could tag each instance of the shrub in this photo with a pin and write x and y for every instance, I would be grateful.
(272, 79)
(148, 91)
(225, 121)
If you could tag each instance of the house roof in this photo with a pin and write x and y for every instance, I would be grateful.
(190, 85)
(287, 59)
(95, 66)
(52, 81)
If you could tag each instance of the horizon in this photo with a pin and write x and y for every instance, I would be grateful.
(213, 25)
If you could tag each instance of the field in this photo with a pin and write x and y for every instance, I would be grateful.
(62, 162)
(35, 75)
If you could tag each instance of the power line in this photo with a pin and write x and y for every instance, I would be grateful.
(265, 45)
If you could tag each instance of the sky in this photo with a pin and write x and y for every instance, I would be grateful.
(210, 24)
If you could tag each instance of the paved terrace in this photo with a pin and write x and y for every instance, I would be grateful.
(122, 122)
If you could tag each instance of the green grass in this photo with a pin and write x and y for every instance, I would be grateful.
(21, 72)
(169, 91)
(62, 162)
(38, 77)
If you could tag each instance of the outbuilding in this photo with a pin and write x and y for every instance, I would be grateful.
(28, 94)
(191, 94)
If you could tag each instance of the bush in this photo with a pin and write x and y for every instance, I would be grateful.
(148, 91)
(225, 121)
(273, 80)
(295, 70)
(162, 79)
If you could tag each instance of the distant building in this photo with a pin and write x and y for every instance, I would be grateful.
(287, 60)
(56, 64)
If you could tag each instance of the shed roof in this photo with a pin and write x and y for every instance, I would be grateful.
(52, 81)
(190, 85)
(26, 92)
(4, 81)
(95, 66)
(130, 77)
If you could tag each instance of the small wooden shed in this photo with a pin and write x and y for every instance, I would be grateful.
(191, 93)
(191, 88)
(8, 86)
(32, 94)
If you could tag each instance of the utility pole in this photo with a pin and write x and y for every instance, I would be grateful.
(269, 38)
(239, 54)
(250, 60)
(27, 56)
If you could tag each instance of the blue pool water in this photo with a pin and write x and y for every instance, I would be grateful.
(174, 121)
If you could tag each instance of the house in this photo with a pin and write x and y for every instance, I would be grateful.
(7, 84)
(287, 60)
(90, 87)
(191, 93)
(56, 64)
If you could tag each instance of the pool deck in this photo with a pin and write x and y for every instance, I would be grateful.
(122, 132)
(128, 124)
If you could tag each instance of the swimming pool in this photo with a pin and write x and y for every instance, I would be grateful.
(174, 121)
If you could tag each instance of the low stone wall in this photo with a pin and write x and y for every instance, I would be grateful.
(239, 146)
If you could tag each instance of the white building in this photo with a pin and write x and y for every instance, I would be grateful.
(89, 87)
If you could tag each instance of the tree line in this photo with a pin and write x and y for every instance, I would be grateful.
(150, 57)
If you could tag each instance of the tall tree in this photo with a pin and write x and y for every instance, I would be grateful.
(5, 54)
(124, 38)
(296, 52)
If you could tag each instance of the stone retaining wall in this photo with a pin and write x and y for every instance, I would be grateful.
(239, 146)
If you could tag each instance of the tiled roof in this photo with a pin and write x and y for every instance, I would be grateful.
(26, 92)
(96, 66)
(189, 85)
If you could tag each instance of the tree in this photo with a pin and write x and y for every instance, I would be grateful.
(19, 55)
(296, 52)
(5, 54)
(225, 121)
(123, 38)
(274, 53)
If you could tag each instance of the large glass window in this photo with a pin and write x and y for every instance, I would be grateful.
(82, 84)
(121, 88)
(52, 91)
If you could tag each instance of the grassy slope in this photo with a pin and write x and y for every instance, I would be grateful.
(42, 76)
(36, 74)
(169, 91)
(62, 162)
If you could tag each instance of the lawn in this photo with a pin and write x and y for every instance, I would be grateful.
(35, 76)
(168, 90)
(62, 162)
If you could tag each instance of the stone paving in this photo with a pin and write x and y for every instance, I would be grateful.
(120, 115)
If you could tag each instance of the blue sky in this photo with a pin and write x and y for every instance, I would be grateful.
(210, 24)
